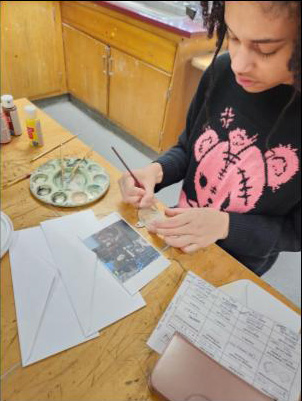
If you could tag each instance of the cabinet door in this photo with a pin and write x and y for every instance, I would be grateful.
(86, 67)
(137, 97)
(32, 58)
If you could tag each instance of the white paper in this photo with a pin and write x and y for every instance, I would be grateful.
(254, 297)
(46, 320)
(96, 296)
(264, 353)
(75, 263)
(151, 270)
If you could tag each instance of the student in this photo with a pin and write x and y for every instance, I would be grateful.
(239, 155)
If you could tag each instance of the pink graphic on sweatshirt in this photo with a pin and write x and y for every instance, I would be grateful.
(227, 117)
(232, 175)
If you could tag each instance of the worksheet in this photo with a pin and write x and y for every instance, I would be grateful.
(262, 352)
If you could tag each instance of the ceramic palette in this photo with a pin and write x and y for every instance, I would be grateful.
(89, 182)
(6, 233)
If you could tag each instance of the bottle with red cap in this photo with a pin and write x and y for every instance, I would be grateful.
(5, 136)
(11, 114)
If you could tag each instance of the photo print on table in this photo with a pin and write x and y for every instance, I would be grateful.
(126, 254)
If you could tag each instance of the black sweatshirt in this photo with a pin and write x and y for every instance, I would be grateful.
(226, 164)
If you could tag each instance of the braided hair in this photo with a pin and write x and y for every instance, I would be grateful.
(213, 17)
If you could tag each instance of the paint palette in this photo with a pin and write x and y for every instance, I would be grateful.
(87, 184)
(7, 229)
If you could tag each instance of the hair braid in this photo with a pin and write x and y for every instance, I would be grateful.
(214, 22)
(295, 61)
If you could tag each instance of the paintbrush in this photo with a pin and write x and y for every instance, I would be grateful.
(62, 165)
(136, 181)
(15, 181)
(77, 165)
(53, 148)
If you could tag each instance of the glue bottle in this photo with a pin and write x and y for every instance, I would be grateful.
(33, 126)
(11, 114)
(5, 132)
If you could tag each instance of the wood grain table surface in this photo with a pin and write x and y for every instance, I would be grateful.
(116, 365)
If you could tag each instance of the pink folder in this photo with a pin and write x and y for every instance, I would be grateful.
(184, 373)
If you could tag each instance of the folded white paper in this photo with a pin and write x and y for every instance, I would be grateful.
(254, 297)
(97, 297)
(47, 323)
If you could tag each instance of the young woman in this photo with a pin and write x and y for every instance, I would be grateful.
(239, 155)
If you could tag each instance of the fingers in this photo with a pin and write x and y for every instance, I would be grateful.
(174, 222)
(191, 248)
(168, 232)
(139, 197)
(179, 241)
(130, 193)
(172, 226)
(148, 198)
(174, 211)
(186, 243)
(133, 195)
(134, 201)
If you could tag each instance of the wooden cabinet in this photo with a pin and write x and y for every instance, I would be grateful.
(32, 57)
(137, 97)
(137, 81)
(137, 74)
(121, 32)
(151, 80)
(86, 68)
(129, 91)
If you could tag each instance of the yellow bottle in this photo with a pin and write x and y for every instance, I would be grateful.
(33, 126)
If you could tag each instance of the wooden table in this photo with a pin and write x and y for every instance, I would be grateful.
(115, 366)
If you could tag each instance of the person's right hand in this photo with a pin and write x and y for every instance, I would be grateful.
(148, 177)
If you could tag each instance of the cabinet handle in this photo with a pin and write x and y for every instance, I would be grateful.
(105, 64)
(111, 60)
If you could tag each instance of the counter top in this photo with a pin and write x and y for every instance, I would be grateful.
(182, 26)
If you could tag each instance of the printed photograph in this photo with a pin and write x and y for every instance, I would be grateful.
(122, 250)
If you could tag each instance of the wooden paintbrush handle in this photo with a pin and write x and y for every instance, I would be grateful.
(13, 182)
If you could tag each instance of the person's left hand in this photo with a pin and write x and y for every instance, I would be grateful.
(193, 228)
